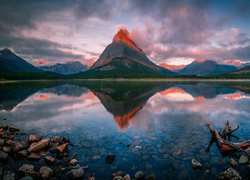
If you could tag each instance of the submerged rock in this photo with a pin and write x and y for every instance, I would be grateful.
(27, 178)
(196, 164)
(34, 157)
(243, 159)
(110, 158)
(73, 162)
(7, 175)
(25, 168)
(139, 175)
(233, 163)
(49, 160)
(3, 156)
(62, 148)
(230, 173)
(34, 138)
(76, 173)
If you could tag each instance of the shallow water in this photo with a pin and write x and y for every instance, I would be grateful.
(152, 127)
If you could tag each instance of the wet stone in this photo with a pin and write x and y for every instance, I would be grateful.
(9, 142)
(150, 177)
(22, 153)
(126, 177)
(230, 173)
(45, 172)
(62, 148)
(139, 175)
(76, 173)
(3, 156)
(1, 142)
(196, 164)
(6, 149)
(243, 159)
(26, 178)
(49, 159)
(233, 163)
(39, 145)
(73, 162)
(13, 129)
(34, 138)
(25, 168)
(34, 157)
(7, 175)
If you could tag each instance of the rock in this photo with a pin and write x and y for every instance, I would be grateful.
(56, 139)
(18, 146)
(33, 174)
(39, 145)
(139, 175)
(4, 127)
(110, 158)
(196, 164)
(151, 177)
(7, 175)
(9, 142)
(49, 160)
(148, 166)
(25, 168)
(96, 157)
(230, 173)
(118, 173)
(45, 172)
(76, 173)
(13, 129)
(6, 149)
(126, 177)
(233, 163)
(3, 156)
(34, 157)
(73, 162)
(1, 142)
(27, 178)
(34, 138)
(248, 150)
(138, 147)
(243, 159)
(22, 153)
(118, 178)
(62, 148)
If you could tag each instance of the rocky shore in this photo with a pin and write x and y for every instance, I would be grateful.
(29, 156)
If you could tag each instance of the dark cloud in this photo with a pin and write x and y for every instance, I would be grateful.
(33, 48)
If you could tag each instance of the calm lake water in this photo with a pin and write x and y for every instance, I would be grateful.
(152, 127)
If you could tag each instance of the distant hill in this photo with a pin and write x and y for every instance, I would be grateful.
(67, 68)
(207, 67)
(10, 62)
(123, 58)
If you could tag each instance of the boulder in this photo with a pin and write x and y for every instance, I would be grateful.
(39, 145)
(76, 173)
(196, 164)
(45, 172)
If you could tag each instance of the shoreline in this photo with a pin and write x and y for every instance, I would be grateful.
(129, 80)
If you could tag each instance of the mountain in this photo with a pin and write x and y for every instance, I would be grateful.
(207, 67)
(10, 62)
(123, 58)
(67, 68)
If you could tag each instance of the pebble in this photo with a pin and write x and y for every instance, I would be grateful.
(3, 156)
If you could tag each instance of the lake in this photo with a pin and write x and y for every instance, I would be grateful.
(154, 127)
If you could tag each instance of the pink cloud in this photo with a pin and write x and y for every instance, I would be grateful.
(235, 62)
(40, 61)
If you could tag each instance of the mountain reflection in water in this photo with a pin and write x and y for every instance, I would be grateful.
(166, 120)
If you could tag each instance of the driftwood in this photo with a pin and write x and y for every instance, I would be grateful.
(223, 140)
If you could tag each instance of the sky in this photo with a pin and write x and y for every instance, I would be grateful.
(172, 32)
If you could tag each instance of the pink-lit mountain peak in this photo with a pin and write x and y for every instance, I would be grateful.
(124, 36)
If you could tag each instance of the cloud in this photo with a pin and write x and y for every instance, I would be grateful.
(40, 61)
